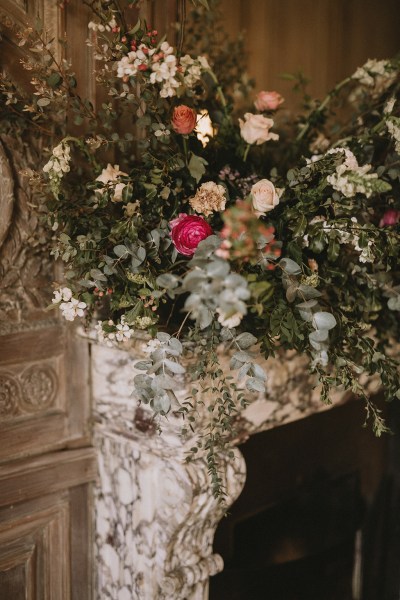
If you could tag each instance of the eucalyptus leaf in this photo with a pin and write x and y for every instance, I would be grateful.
(258, 372)
(255, 385)
(143, 365)
(174, 367)
(163, 337)
(246, 340)
(324, 320)
(290, 266)
(308, 292)
(161, 403)
(121, 250)
(167, 281)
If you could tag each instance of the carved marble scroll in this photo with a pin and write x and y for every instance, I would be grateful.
(155, 514)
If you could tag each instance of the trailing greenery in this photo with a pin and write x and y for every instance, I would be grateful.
(174, 217)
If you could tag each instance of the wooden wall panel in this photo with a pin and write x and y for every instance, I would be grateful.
(326, 40)
(46, 462)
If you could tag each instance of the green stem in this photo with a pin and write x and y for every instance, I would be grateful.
(246, 152)
(322, 107)
(182, 11)
(219, 90)
(185, 149)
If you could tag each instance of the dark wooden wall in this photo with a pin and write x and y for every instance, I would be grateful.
(325, 39)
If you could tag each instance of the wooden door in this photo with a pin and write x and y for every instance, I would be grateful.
(46, 462)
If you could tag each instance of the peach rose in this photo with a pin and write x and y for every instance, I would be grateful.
(184, 119)
(268, 101)
(255, 129)
(264, 197)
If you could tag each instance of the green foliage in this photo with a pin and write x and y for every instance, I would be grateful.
(308, 260)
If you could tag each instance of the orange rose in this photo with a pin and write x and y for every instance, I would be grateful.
(184, 119)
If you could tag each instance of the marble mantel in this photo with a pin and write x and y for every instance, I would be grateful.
(155, 514)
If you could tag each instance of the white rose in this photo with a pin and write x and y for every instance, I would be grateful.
(264, 197)
(255, 129)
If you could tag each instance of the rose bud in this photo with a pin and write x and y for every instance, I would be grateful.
(390, 217)
(268, 101)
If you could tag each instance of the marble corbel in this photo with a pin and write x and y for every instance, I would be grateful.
(155, 513)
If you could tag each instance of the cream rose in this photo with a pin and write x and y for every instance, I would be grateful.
(264, 197)
(255, 129)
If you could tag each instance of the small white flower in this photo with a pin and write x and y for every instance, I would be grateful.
(151, 346)
(110, 176)
(73, 308)
(229, 320)
(388, 109)
(393, 127)
(63, 294)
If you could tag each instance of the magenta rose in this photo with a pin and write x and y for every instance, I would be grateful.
(187, 231)
(390, 217)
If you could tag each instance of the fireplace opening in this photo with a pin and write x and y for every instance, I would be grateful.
(309, 523)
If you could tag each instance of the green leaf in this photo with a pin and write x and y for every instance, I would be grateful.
(54, 80)
(135, 312)
(197, 167)
(300, 227)
(97, 275)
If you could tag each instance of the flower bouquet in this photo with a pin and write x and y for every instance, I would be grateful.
(176, 216)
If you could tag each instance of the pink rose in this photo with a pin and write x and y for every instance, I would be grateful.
(187, 231)
(268, 101)
(255, 129)
(390, 217)
(184, 119)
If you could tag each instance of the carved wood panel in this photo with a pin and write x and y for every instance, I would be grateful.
(46, 462)
(40, 361)
(44, 527)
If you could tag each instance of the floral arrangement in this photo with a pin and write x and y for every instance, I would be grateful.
(177, 217)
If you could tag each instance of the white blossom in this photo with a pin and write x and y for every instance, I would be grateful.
(73, 308)
(57, 165)
(151, 346)
(229, 320)
(393, 126)
(370, 70)
(110, 176)
(388, 108)
(349, 178)
(121, 332)
(63, 294)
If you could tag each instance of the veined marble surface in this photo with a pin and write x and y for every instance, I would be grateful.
(155, 514)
